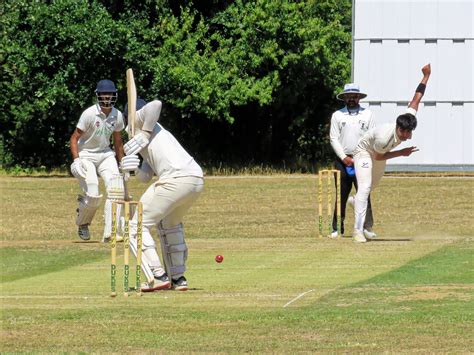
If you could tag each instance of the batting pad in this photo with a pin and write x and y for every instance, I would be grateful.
(174, 248)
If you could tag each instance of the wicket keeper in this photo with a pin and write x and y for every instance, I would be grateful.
(92, 156)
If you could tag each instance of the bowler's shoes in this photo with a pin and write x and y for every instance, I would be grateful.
(369, 234)
(334, 235)
(158, 283)
(83, 232)
(358, 238)
(180, 284)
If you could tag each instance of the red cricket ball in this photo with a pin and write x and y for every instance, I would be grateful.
(219, 258)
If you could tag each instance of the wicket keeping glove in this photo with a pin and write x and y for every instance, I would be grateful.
(78, 169)
(137, 143)
(129, 163)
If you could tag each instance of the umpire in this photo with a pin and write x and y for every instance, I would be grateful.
(347, 126)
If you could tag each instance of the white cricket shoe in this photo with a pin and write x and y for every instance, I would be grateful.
(334, 235)
(83, 232)
(358, 238)
(158, 283)
(369, 234)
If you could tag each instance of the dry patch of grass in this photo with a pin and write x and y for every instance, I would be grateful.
(438, 292)
(403, 293)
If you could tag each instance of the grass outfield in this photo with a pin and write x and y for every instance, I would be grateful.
(280, 288)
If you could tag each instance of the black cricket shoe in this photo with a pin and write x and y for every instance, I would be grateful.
(181, 284)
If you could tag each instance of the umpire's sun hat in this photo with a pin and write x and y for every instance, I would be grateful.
(351, 89)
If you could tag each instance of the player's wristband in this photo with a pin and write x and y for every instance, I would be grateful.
(421, 88)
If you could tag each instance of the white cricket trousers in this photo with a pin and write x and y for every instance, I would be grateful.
(103, 164)
(368, 172)
(168, 201)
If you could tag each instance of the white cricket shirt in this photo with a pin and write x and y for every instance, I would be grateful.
(347, 129)
(381, 139)
(164, 154)
(97, 129)
(167, 157)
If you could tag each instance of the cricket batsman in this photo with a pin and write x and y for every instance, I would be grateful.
(166, 201)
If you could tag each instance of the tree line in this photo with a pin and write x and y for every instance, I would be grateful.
(242, 82)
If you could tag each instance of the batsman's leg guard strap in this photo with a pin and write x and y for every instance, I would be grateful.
(176, 270)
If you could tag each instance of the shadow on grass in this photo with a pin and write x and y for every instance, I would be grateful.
(391, 240)
(85, 242)
(39, 176)
(20, 263)
(449, 265)
(384, 239)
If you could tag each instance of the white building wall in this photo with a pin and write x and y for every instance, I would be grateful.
(392, 40)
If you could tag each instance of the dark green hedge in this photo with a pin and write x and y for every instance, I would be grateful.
(242, 82)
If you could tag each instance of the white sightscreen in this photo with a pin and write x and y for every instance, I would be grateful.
(413, 19)
(392, 40)
(444, 134)
(390, 70)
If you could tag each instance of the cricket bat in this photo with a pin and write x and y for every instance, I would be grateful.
(132, 106)
(132, 102)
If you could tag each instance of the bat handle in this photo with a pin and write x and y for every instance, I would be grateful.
(126, 177)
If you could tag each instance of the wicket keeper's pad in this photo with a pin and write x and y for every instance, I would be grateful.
(88, 205)
(174, 249)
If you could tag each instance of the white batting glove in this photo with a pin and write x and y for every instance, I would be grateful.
(115, 188)
(137, 143)
(78, 169)
(130, 163)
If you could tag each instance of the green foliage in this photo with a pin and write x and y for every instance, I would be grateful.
(203, 72)
(52, 56)
(257, 75)
(269, 70)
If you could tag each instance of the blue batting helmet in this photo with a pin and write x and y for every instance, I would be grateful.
(105, 85)
(140, 104)
(106, 93)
